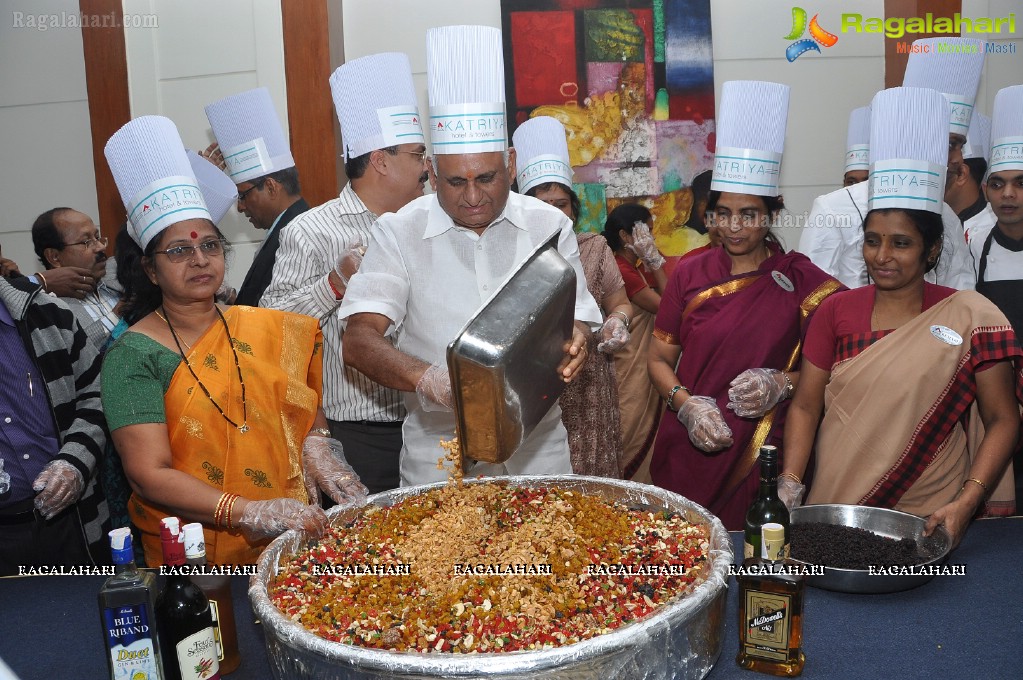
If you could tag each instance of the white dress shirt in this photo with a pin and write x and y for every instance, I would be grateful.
(979, 226)
(833, 240)
(429, 277)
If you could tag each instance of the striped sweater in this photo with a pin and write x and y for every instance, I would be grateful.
(70, 367)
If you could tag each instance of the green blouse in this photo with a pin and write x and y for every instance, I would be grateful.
(137, 372)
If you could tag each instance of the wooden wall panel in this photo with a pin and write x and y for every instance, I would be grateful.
(895, 63)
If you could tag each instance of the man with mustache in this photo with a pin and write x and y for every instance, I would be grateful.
(68, 240)
(385, 161)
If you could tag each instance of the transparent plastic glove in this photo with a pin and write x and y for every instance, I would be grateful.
(790, 492)
(613, 335)
(266, 519)
(5, 479)
(226, 294)
(350, 261)
(325, 467)
(644, 247)
(755, 391)
(434, 389)
(707, 428)
(57, 486)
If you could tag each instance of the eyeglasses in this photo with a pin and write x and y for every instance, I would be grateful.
(212, 248)
(89, 242)
(420, 154)
(257, 185)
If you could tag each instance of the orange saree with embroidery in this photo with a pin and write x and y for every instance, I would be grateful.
(280, 361)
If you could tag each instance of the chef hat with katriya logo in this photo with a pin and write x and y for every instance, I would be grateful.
(541, 152)
(857, 140)
(1007, 130)
(751, 123)
(978, 139)
(465, 78)
(154, 177)
(908, 163)
(953, 67)
(218, 190)
(250, 135)
(376, 105)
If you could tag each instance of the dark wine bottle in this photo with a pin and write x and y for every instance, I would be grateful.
(183, 612)
(767, 507)
(218, 590)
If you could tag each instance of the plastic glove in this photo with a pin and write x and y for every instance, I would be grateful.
(5, 479)
(707, 428)
(350, 261)
(644, 247)
(613, 335)
(434, 389)
(266, 519)
(325, 467)
(57, 486)
(790, 492)
(226, 294)
(755, 391)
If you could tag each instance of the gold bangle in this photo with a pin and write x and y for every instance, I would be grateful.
(230, 508)
(219, 511)
(624, 317)
(43, 279)
(792, 476)
(982, 484)
(671, 396)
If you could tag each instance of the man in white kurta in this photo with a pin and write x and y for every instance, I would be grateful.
(428, 276)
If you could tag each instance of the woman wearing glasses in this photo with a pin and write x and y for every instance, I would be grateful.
(215, 412)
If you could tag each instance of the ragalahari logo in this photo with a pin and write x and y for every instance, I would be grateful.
(818, 36)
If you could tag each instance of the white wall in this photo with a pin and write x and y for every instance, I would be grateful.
(203, 51)
(45, 142)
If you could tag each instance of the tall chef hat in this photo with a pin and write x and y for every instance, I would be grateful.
(1007, 130)
(750, 137)
(857, 140)
(375, 101)
(218, 190)
(153, 176)
(250, 135)
(952, 66)
(465, 74)
(978, 139)
(908, 162)
(541, 153)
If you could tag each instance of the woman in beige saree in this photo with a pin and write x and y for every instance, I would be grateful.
(903, 371)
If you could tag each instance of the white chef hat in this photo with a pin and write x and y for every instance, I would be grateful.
(857, 140)
(750, 137)
(908, 162)
(978, 139)
(218, 190)
(465, 75)
(250, 135)
(1007, 130)
(153, 176)
(541, 153)
(953, 67)
(376, 104)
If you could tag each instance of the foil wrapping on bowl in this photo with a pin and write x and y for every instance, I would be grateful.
(680, 640)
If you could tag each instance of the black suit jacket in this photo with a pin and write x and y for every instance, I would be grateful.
(262, 269)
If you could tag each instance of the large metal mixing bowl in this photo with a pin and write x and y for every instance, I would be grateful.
(680, 640)
(883, 522)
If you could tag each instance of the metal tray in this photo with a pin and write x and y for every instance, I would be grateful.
(883, 522)
(503, 363)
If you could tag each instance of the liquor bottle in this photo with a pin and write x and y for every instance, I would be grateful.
(767, 507)
(183, 612)
(771, 610)
(127, 609)
(217, 588)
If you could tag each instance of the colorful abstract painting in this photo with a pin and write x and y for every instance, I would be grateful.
(633, 83)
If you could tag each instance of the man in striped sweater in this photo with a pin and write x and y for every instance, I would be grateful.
(51, 434)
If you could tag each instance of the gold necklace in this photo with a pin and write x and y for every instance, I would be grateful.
(157, 312)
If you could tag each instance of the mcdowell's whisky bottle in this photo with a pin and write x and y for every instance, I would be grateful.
(771, 609)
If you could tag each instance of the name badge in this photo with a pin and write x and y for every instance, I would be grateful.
(782, 281)
(947, 335)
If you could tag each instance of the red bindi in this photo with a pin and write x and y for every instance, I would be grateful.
(195, 234)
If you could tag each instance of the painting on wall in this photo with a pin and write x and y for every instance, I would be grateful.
(633, 83)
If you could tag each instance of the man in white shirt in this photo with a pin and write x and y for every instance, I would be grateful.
(431, 266)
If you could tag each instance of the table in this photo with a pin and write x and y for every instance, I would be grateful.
(967, 626)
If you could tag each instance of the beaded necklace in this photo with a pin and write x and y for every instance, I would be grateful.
(244, 427)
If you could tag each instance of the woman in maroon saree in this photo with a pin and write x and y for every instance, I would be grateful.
(736, 315)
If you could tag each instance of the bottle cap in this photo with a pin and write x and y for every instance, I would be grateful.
(172, 541)
(195, 540)
(768, 452)
(772, 541)
(120, 546)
